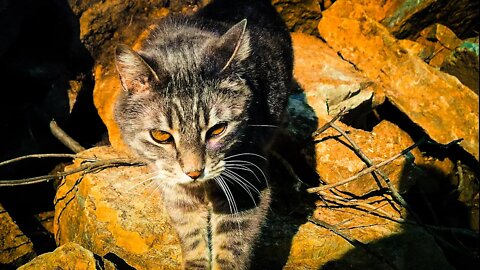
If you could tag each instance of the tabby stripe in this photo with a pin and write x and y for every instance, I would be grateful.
(234, 249)
(197, 263)
(231, 225)
(226, 264)
(193, 245)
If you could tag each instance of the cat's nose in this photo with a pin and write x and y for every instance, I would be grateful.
(194, 174)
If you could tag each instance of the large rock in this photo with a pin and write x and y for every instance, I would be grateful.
(70, 256)
(327, 80)
(437, 102)
(299, 15)
(111, 211)
(406, 18)
(15, 247)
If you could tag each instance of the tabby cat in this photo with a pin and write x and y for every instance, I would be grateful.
(202, 100)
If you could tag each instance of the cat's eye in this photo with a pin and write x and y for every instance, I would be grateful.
(160, 136)
(216, 130)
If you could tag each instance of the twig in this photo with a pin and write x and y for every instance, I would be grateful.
(367, 170)
(328, 124)
(37, 156)
(64, 138)
(353, 242)
(91, 166)
(380, 213)
(396, 195)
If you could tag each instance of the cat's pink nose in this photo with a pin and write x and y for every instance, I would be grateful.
(194, 174)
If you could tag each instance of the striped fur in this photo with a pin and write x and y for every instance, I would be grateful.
(217, 83)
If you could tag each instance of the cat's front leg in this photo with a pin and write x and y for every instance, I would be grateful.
(189, 217)
(234, 236)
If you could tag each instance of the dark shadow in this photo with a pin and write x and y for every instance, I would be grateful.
(291, 204)
(40, 53)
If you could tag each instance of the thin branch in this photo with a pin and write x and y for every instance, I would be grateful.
(396, 195)
(64, 138)
(367, 170)
(327, 125)
(89, 167)
(352, 241)
(37, 156)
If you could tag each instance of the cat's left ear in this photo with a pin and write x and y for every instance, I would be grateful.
(231, 47)
(136, 75)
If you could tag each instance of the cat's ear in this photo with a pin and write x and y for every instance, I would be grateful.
(231, 47)
(136, 75)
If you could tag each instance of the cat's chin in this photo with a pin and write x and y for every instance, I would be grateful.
(193, 183)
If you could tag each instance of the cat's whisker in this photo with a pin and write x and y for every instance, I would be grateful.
(151, 178)
(242, 168)
(242, 180)
(221, 185)
(239, 162)
(243, 184)
(245, 154)
(235, 211)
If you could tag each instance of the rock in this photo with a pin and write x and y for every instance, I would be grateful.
(69, 256)
(430, 98)
(299, 15)
(328, 81)
(440, 42)
(405, 18)
(463, 63)
(103, 24)
(15, 247)
(315, 247)
(336, 162)
(112, 212)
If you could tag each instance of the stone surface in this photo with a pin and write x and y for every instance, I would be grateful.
(440, 42)
(300, 15)
(15, 247)
(328, 81)
(437, 102)
(336, 162)
(70, 256)
(103, 24)
(406, 18)
(111, 211)
(463, 63)
(406, 247)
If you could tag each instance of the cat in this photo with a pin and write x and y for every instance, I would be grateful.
(201, 103)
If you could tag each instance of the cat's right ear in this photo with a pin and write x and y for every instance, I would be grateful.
(136, 75)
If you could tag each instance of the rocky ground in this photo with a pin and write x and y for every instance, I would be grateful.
(377, 168)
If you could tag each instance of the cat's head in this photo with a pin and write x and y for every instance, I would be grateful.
(183, 113)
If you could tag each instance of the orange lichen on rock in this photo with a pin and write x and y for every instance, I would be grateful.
(69, 256)
(14, 245)
(113, 211)
(329, 82)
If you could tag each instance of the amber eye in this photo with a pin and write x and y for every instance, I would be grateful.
(216, 130)
(161, 136)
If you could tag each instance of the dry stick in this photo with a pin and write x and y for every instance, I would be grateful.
(64, 138)
(383, 214)
(37, 156)
(327, 125)
(396, 195)
(352, 241)
(97, 165)
(365, 171)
